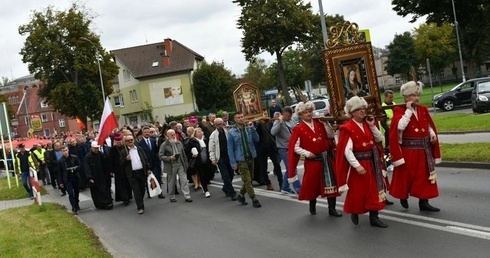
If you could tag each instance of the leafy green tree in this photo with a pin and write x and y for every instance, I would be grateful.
(255, 73)
(273, 26)
(58, 52)
(5, 81)
(213, 86)
(402, 56)
(472, 16)
(436, 43)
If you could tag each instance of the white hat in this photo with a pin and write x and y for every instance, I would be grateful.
(410, 88)
(302, 106)
(354, 103)
(94, 144)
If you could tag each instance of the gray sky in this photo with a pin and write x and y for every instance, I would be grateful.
(206, 26)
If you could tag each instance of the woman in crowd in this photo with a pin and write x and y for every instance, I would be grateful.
(197, 153)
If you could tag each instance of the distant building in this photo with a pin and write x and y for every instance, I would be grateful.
(32, 114)
(155, 77)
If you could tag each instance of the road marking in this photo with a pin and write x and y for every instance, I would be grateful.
(454, 227)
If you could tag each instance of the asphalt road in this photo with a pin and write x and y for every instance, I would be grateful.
(283, 227)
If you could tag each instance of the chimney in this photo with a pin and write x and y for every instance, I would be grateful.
(168, 46)
(165, 59)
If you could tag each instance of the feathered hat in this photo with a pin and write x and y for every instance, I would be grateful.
(354, 103)
(302, 106)
(410, 88)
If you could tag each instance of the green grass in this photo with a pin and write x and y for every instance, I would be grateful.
(14, 193)
(466, 152)
(47, 231)
(460, 122)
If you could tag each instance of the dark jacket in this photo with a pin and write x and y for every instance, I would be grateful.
(69, 168)
(126, 164)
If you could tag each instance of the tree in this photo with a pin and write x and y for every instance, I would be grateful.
(273, 26)
(472, 16)
(213, 86)
(5, 81)
(402, 56)
(436, 43)
(255, 74)
(56, 54)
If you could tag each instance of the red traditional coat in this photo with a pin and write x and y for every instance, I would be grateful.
(411, 175)
(363, 194)
(315, 142)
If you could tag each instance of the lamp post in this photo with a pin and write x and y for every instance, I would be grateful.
(459, 45)
(324, 26)
(98, 63)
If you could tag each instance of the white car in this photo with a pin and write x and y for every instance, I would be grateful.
(322, 107)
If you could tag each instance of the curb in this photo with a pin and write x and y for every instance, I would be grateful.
(463, 132)
(472, 165)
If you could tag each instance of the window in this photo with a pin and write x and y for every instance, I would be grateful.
(61, 122)
(27, 120)
(13, 99)
(133, 96)
(487, 66)
(46, 132)
(44, 104)
(133, 120)
(441, 74)
(126, 75)
(118, 101)
(397, 80)
(44, 118)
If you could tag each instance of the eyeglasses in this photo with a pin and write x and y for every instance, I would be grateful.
(129, 140)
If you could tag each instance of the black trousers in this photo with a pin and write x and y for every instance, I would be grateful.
(138, 183)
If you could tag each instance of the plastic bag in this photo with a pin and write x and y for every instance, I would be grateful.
(154, 188)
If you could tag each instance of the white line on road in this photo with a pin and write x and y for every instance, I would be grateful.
(470, 230)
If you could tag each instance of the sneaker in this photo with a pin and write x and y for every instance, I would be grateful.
(256, 203)
(270, 188)
(207, 194)
(141, 211)
(287, 191)
(241, 199)
(188, 200)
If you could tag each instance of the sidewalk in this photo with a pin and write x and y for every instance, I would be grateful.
(24, 202)
(464, 137)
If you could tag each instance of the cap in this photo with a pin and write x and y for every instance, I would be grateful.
(94, 144)
(117, 137)
(21, 145)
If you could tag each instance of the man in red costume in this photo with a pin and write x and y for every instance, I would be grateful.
(414, 149)
(359, 162)
(313, 140)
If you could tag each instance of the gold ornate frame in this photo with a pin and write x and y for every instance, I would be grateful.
(247, 100)
(348, 52)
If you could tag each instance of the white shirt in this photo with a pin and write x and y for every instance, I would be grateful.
(135, 159)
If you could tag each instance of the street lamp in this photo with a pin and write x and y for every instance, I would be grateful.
(459, 45)
(98, 63)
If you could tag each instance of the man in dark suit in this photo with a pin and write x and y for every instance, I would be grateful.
(137, 168)
(150, 148)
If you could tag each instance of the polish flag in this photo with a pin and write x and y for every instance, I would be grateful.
(80, 123)
(108, 122)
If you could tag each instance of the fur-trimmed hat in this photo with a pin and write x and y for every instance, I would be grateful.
(410, 88)
(302, 106)
(353, 104)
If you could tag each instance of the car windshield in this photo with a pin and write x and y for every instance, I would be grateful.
(484, 87)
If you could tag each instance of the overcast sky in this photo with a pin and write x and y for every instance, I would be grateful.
(206, 26)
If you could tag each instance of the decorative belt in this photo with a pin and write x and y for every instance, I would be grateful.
(362, 155)
(415, 143)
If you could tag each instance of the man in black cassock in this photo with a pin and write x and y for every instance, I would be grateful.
(98, 177)
(121, 181)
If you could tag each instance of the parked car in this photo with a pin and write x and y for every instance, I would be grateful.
(322, 107)
(459, 95)
(480, 97)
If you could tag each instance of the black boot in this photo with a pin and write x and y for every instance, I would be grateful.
(313, 207)
(375, 221)
(404, 203)
(388, 202)
(331, 207)
(354, 218)
(425, 206)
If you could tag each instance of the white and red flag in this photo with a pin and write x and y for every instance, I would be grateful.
(108, 122)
